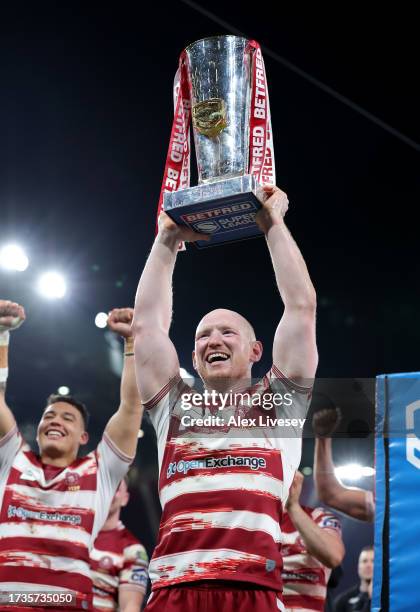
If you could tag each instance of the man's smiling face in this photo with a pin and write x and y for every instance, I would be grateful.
(225, 347)
(61, 431)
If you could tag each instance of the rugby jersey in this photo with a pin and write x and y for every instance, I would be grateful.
(118, 561)
(305, 578)
(222, 490)
(48, 527)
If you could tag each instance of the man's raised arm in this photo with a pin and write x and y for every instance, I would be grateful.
(354, 502)
(124, 425)
(325, 544)
(294, 348)
(11, 316)
(156, 358)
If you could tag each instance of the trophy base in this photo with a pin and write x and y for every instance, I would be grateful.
(224, 209)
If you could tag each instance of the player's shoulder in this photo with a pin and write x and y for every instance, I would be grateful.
(130, 541)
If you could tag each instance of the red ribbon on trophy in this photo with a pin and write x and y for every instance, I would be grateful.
(261, 152)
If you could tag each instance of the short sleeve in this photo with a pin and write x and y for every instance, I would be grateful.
(134, 574)
(9, 447)
(295, 398)
(160, 408)
(113, 465)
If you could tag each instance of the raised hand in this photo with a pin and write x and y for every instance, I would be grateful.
(326, 421)
(179, 233)
(273, 209)
(12, 315)
(295, 490)
(119, 321)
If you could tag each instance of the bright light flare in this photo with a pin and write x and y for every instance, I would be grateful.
(101, 320)
(52, 285)
(13, 257)
(353, 471)
(63, 390)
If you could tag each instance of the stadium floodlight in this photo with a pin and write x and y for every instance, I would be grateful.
(101, 320)
(63, 390)
(13, 257)
(353, 471)
(52, 285)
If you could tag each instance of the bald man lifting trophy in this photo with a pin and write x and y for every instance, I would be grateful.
(220, 87)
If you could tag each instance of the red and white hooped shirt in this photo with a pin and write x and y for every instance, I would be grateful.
(118, 561)
(222, 491)
(48, 526)
(305, 578)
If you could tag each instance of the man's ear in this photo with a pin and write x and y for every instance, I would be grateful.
(194, 361)
(84, 438)
(256, 351)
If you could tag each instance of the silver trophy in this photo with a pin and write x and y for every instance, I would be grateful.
(227, 197)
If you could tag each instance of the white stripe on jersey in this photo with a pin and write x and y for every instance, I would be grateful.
(45, 532)
(97, 555)
(36, 473)
(233, 519)
(222, 482)
(64, 564)
(216, 442)
(55, 499)
(300, 560)
(195, 559)
(102, 603)
(314, 590)
(100, 579)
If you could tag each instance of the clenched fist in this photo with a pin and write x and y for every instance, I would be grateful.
(119, 320)
(325, 422)
(12, 315)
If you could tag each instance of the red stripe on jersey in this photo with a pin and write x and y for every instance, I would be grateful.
(115, 540)
(224, 569)
(43, 546)
(304, 601)
(252, 542)
(46, 576)
(223, 501)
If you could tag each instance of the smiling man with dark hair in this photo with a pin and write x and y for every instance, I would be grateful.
(52, 505)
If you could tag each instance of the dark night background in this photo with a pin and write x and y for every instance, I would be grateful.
(86, 112)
